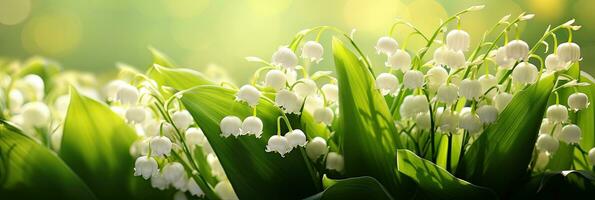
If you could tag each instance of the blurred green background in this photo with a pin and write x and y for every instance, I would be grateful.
(93, 35)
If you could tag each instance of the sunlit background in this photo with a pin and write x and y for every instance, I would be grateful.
(93, 35)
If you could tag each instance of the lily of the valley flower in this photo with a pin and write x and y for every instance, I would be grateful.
(248, 94)
(487, 114)
(173, 171)
(194, 189)
(457, 40)
(553, 63)
(331, 92)
(501, 100)
(470, 89)
(296, 138)
(437, 76)
(136, 114)
(313, 51)
(517, 50)
(525, 73)
(400, 60)
(35, 114)
(161, 145)
(570, 134)
(448, 93)
(288, 101)
(275, 79)
(335, 161)
(569, 52)
(386, 45)
(547, 143)
(387, 83)
(557, 113)
(592, 156)
(225, 190)
(316, 148)
(230, 125)
(323, 115)
(145, 166)
(413, 79)
(195, 136)
(182, 119)
(285, 57)
(470, 122)
(252, 125)
(502, 59)
(278, 144)
(578, 101)
(306, 88)
(127, 94)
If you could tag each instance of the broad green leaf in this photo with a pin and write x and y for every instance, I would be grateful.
(436, 182)
(500, 156)
(160, 58)
(368, 135)
(586, 120)
(31, 171)
(363, 187)
(253, 173)
(569, 184)
(96, 145)
(178, 78)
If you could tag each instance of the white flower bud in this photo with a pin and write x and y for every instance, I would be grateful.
(400, 60)
(230, 125)
(569, 52)
(288, 101)
(440, 55)
(16, 99)
(413, 79)
(136, 115)
(437, 76)
(182, 119)
(571, 134)
(324, 115)
(35, 83)
(387, 45)
(470, 122)
(447, 93)
(454, 59)
(502, 59)
(291, 76)
(225, 190)
(387, 83)
(487, 81)
(547, 143)
(542, 160)
(194, 189)
(112, 88)
(252, 125)
(423, 121)
(195, 136)
(517, 50)
(161, 145)
(275, 79)
(412, 105)
(316, 148)
(487, 114)
(578, 101)
(331, 92)
(334, 161)
(313, 51)
(525, 73)
(592, 156)
(173, 171)
(146, 167)
(306, 88)
(470, 89)
(448, 121)
(36, 114)
(501, 100)
(158, 181)
(278, 144)
(248, 94)
(285, 57)
(127, 94)
(457, 40)
(557, 113)
(553, 63)
(296, 138)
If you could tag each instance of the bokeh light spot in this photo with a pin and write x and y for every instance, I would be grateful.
(373, 17)
(52, 34)
(269, 8)
(185, 9)
(547, 10)
(14, 11)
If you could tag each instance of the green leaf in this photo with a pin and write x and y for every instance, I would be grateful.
(253, 173)
(96, 145)
(178, 78)
(569, 184)
(436, 182)
(31, 171)
(160, 58)
(312, 128)
(363, 187)
(368, 135)
(500, 156)
(585, 119)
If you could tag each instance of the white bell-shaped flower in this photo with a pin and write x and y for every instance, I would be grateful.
(501, 100)
(578, 101)
(312, 51)
(16, 99)
(335, 161)
(194, 189)
(470, 89)
(487, 114)
(306, 88)
(278, 144)
(448, 121)
(225, 190)
(448, 93)
(487, 81)
(387, 45)
(35, 83)
(571, 134)
(592, 156)
(291, 75)
(454, 59)
(413, 79)
(437, 76)
(457, 40)
(569, 52)
(248, 94)
(323, 115)
(316, 148)
(502, 59)
(36, 114)
(288, 101)
(182, 119)
(423, 121)
(387, 83)
(252, 125)
(111, 89)
(136, 114)
(557, 113)
(412, 105)
(195, 136)
(127, 94)
(313, 103)
(400, 60)
(553, 63)
(285, 57)
(525, 73)
(547, 143)
(517, 50)
(296, 138)
(275, 79)
(230, 125)
(161, 145)
(146, 167)
(470, 122)
(173, 171)
(158, 181)
(548, 127)
(331, 92)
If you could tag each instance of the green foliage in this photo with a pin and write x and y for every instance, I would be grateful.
(569, 184)
(363, 187)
